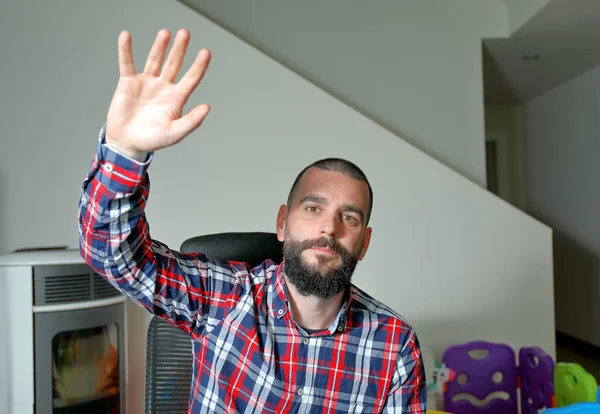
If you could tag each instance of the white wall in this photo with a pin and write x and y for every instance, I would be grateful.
(521, 11)
(562, 170)
(457, 262)
(413, 66)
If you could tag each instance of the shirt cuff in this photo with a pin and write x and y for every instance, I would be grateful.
(116, 171)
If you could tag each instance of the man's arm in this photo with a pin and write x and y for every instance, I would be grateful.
(145, 115)
(191, 291)
(408, 391)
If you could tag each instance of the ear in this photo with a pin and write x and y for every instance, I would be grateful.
(366, 241)
(281, 218)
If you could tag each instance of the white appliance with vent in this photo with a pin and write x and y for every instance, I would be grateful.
(62, 336)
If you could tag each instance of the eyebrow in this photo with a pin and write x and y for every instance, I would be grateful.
(312, 198)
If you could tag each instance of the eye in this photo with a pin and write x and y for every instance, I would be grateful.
(312, 209)
(349, 219)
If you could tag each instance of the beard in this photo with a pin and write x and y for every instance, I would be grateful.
(307, 278)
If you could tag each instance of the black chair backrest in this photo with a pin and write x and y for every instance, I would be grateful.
(169, 350)
(252, 248)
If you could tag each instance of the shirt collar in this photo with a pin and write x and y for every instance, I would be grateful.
(280, 301)
(279, 304)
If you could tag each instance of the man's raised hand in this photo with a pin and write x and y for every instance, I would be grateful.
(146, 110)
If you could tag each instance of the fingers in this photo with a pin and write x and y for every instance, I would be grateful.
(126, 65)
(188, 123)
(176, 55)
(195, 73)
(157, 53)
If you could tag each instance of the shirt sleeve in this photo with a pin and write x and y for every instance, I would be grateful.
(192, 291)
(408, 391)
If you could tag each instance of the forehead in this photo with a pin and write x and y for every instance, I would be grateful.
(333, 186)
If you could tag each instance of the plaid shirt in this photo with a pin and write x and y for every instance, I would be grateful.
(249, 354)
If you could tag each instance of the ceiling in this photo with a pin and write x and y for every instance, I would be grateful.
(563, 38)
(562, 41)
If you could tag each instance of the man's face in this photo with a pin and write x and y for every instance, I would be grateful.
(324, 232)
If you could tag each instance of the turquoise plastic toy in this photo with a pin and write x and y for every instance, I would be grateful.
(578, 408)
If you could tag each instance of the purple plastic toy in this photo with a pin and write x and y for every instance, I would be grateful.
(536, 370)
(486, 379)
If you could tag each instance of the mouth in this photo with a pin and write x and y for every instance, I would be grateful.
(324, 250)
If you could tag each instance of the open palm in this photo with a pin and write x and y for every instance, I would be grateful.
(146, 110)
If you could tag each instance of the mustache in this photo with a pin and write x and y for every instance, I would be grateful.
(330, 244)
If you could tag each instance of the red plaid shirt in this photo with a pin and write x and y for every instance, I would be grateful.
(249, 354)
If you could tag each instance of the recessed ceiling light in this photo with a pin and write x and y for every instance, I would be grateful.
(534, 56)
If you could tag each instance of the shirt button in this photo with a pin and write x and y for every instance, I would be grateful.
(340, 328)
(305, 341)
(300, 391)
(280, 312)
(108, 167)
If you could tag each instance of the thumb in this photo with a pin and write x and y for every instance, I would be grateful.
(183, 126)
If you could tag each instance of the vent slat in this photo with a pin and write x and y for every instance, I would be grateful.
(104, 289)
(71, 286)
(69, 283)
(66, 296)
(101, 284)
(60, 283)
(107, 286)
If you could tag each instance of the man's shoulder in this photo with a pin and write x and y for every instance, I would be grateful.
(257, 275)
(366, 306)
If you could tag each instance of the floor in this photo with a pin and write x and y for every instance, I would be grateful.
(587, 356)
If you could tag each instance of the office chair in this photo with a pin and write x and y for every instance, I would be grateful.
(169, 350)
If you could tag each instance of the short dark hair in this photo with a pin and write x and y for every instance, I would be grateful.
(338, 165)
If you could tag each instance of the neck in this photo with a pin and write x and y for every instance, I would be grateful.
(312, 312)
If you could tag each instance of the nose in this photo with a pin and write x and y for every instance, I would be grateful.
(329, 225)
